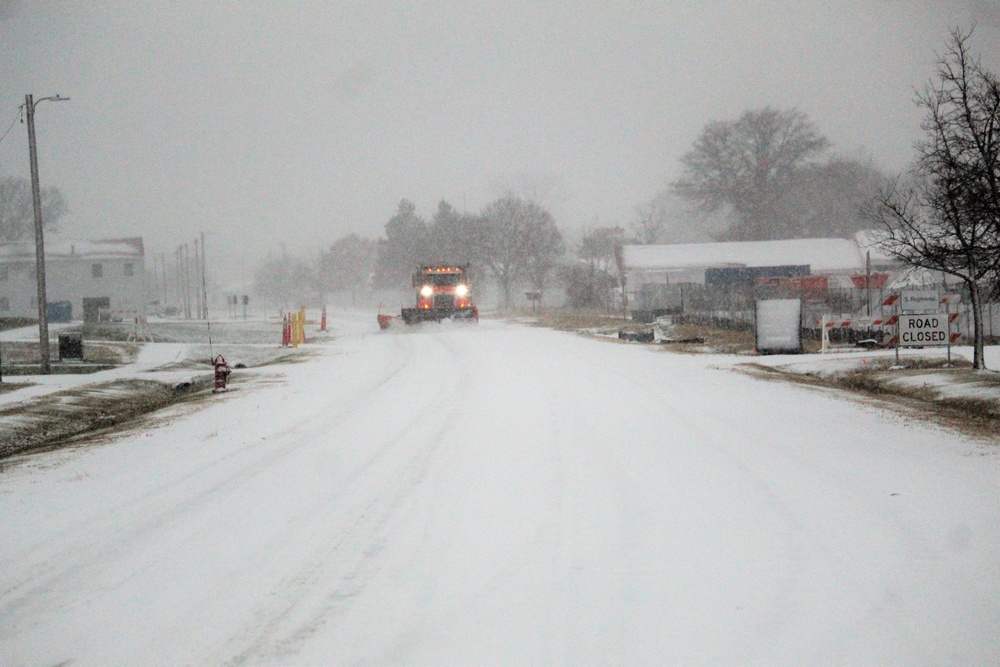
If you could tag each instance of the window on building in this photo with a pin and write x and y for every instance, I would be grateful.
(97, 270)
(129, 268)
(4, 304)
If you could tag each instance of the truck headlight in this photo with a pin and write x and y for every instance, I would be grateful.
(461, 290)
(427, 290)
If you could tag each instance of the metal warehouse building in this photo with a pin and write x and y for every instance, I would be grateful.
(651, 270)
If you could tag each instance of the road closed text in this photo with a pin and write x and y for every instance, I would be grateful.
(918, 330)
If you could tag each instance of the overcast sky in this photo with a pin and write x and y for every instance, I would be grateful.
(263, 125)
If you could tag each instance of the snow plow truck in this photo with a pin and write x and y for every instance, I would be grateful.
(443, 293)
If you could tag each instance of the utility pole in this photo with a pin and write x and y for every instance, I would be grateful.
(163, 270)
(187, 281)
(182, 281)
(197, 270)
(179, 283)
(36, 200)
(179, 272)
(204, 290)
(868, 283)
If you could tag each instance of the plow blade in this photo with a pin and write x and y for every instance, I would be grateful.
(386, 321)
(418, 315)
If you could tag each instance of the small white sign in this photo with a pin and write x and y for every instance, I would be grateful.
(921, 330)
(911, 301)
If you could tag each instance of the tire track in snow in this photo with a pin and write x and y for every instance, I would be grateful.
(97, 542)
(312, 596)
(689, 443)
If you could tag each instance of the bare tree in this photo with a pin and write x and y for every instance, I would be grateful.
(948, 218)
(650, 220)
(17, 217)
(747, 165)
(598, 246)
(669, 218)
(520, 240)
(348, 266)
(826, 199)
(546, 249)
(285, 282)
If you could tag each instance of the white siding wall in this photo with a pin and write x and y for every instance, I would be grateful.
(72, 279)
(17, 289)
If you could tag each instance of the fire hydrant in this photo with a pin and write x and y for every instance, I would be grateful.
(222, 372)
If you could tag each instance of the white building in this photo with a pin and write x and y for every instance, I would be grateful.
(83, 279)
(688, 262)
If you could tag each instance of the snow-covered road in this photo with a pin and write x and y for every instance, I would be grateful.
(506, 495)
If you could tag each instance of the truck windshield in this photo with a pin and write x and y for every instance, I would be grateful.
(443, 279)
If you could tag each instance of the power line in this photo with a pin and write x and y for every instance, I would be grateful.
(18, 115)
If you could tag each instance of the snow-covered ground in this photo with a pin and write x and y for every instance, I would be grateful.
(150, 358)
(245, 338)
(506, 495)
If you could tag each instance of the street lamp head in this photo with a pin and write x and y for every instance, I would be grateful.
(30, 103)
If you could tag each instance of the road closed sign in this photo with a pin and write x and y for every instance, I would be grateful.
(921, 330)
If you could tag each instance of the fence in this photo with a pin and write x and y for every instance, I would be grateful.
(732, 307)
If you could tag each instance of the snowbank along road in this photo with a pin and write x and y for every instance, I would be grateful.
(506, 495)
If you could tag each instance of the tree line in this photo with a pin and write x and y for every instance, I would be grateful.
(512, 240)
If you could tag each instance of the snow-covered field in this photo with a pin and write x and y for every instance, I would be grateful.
(506, 495)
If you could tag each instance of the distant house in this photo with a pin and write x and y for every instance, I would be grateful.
(84, 280)
(651, 269)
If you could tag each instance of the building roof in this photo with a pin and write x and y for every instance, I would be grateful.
(822, 255)
(70, 248)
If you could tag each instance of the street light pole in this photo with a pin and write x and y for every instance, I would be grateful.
(36, 197)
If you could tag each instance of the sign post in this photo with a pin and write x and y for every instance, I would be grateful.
(534, 297)
(899, 312)
(947, 300)
(947, 310)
